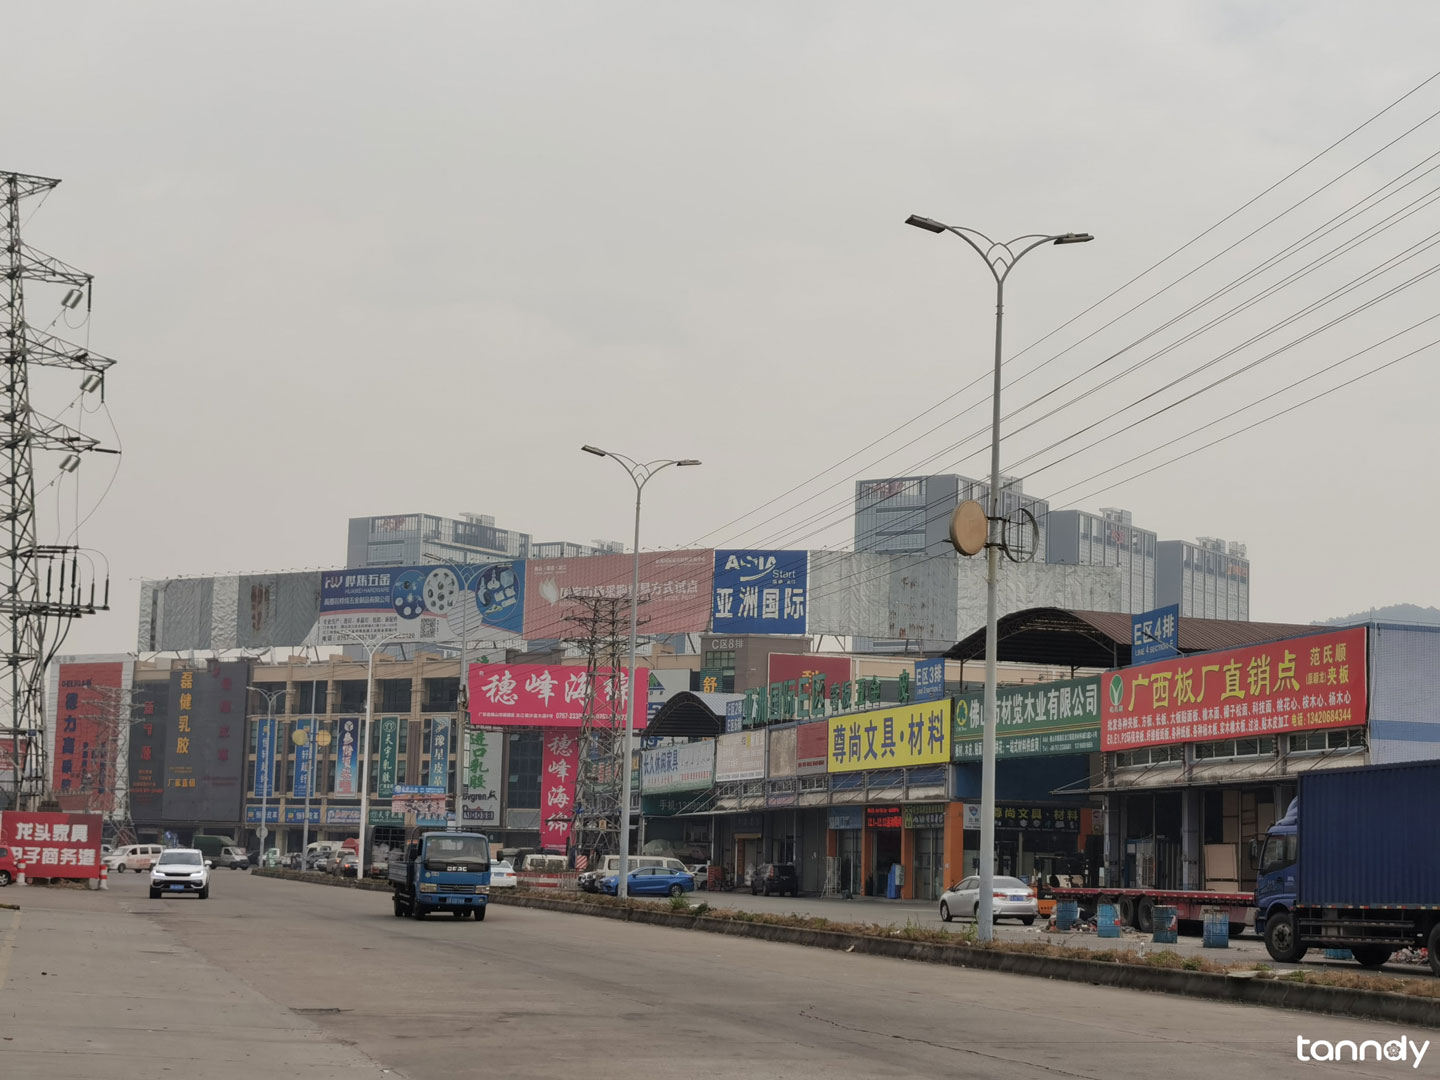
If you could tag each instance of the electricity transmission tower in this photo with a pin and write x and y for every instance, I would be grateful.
(603, 634)
(43, 587)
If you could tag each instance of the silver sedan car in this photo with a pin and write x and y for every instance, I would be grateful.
(1012, 899)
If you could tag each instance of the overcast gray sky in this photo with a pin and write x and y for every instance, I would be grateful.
(365, 258)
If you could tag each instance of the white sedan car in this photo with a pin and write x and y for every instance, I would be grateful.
(502, 875)
(1012, 899)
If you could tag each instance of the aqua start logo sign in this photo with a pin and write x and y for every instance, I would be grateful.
(1395, 1051)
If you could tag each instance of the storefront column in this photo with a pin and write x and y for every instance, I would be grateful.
(907, 860)
(954, 843)
(1191, 817)
(867, 858)
(1114, 839)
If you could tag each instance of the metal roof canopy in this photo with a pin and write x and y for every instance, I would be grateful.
(1101, 639)
(691, 715)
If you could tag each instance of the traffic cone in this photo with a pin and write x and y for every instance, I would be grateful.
(104, 876)
(20, 877)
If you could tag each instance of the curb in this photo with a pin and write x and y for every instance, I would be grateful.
(1274, 993)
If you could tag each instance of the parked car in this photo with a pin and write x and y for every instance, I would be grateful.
(701, 873)
(135, 857)
(780, 878)
(651, 881)
(180, 871)
(232, 858)
(609, 866)
(322, 862)
(347, 865)
(502, 875)
(1012, 899)
(9, 871)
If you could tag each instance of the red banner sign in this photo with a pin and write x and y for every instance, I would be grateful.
(559, 762)
(1299, 684)
(53, 845)
(787, 667)
(812, 748)
(90, 712)
(676, 589)
(549, 695)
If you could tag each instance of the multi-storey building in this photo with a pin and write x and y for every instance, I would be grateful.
(1110, 538)
(911, 514)
(411, 539)
(1208, 579)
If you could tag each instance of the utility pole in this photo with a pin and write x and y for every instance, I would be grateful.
(42, 586)
(602, 627)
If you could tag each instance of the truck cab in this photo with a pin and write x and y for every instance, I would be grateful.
(442, 871)
(1277, 874)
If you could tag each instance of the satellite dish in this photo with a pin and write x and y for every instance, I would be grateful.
(968, 528)
(1022, 537)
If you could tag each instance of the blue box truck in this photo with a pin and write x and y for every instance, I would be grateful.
(442, 871)
(1353, 865)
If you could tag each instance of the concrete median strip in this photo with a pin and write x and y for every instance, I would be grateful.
(1245, 987)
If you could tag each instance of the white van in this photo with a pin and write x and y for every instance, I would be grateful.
(610, 866)
(135, 857)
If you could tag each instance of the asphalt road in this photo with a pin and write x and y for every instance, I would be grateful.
(302, 980)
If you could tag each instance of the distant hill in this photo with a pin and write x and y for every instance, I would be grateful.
(1400, 613)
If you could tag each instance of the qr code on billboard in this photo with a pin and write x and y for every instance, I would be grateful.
(428, 628)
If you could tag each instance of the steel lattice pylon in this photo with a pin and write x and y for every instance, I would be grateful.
(41, 586)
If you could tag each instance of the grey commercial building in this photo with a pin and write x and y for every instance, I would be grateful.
(1109, 538)
(910, 515)
(1209, 579)
(412, 539)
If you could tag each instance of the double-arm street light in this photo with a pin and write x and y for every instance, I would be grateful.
(1000, 257)
(263, 831)
(640, 474)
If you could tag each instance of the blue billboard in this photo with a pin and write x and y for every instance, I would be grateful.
(1155, 635)
(304, 758)
(438, 602)
(929, 680)
(760, 592)
(265, 756)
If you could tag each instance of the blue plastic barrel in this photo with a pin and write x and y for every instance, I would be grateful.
(1107, 921)
(1067, 914)
(1217, 928)
(1167, 925)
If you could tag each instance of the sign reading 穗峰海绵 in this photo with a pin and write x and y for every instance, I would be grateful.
(559, 764)
(1155, 635)
(760, 592)
(889, 738)
(420, 603)
(551, 695)
(1035, 718)
(677, 768)
(1299, 684)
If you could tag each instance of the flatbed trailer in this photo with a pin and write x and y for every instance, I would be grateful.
(1136, 907)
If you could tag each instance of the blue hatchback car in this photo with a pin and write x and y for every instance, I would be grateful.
(651, 881)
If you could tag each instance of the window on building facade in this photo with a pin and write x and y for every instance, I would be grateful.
(352, 695)
(1150, 755)
(1235, 748)
(394, 695)
(524, 770)
(1342, 739)
(441, 695)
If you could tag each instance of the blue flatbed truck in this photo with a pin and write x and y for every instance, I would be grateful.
(442, 871)
(1353, 865)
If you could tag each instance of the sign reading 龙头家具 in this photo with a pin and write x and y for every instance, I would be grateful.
(890, 738)
(1034, 718)
(1299, 684)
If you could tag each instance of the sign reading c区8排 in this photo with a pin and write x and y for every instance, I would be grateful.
(1299, 684)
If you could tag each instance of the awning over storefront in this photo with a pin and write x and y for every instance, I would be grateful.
(1101, 639)
(691, 715)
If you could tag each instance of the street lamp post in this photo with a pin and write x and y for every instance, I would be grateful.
(1000, 257)
(371, 647)
(269, 695)
(640, 474)
(462, 694)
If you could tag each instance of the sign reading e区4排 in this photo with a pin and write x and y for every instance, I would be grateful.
(1299, 684)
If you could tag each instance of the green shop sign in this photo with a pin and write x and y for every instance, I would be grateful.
(1034, 719)
(809, 698)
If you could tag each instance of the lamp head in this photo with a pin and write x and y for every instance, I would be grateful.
(1074, 238)
(928, 224)
(689, 461)
(594, 450)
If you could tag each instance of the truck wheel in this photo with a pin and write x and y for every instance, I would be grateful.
(417, 910)
(1371, 956)
(1125, 910)
(399, 907)
(1145, 916)
(1282, 941)
(480, 912)
(1434, 949)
